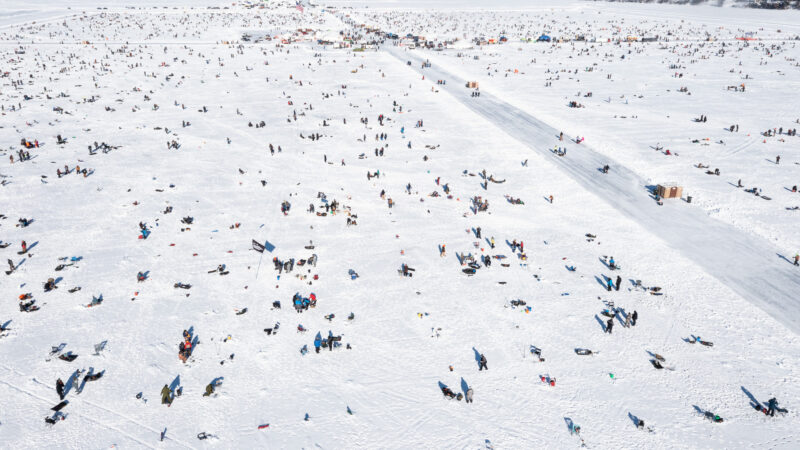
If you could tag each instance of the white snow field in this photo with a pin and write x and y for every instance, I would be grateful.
(145, 80)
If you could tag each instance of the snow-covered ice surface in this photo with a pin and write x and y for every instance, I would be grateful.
(407, 331)
(768, 282)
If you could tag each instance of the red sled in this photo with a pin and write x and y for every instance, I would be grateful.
(261, 427)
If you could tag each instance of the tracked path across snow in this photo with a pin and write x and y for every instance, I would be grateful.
(749, 265)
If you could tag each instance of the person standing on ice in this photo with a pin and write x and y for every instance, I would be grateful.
(60, 388)
(609, 325)
(609, 284)
(491, 242)
(619, 281)
(482, 363)
(166, 396)
(627, 320)
(24, 246)
(771, 405)
(797, 259)
(612, 264)
(634, 317)
(468, 396)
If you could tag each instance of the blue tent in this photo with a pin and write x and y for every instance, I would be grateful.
(544, 38)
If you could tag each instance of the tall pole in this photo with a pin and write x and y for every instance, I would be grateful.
(259, 264)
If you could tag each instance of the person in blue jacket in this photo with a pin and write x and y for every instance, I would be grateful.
(317, 342)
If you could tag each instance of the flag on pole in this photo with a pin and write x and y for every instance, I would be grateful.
(258, 247)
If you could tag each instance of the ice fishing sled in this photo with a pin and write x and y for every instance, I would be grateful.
(59, 406)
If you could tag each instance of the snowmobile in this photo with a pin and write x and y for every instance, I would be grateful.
(95, 301)
(28, 307)
(697, 339)
(656, 363)
(536, 351)
(220, 270)
(68, 357)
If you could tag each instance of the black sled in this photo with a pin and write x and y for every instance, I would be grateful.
(59, 406)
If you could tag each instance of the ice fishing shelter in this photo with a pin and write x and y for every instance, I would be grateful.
(472, 84)
(669, 190)
(544, 38)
